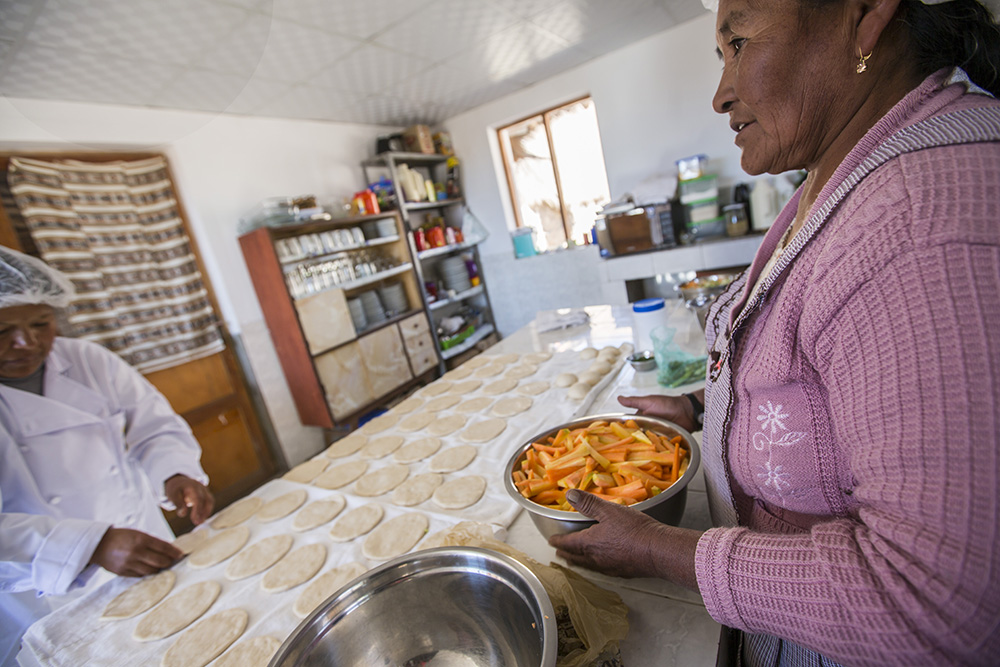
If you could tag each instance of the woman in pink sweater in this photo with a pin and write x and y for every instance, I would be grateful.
(852, 406)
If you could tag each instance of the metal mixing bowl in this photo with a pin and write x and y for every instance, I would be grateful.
(451, 606)
(667, 507)
(711, 286)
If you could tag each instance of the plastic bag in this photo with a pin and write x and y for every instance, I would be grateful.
(675, 367)
(473, 231)
(598, 618)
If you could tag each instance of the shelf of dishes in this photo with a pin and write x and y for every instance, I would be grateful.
(424, 205)
(373, 307)
(473, 337)
(456, 298)
(443, 250)
(332, 242)
(349, 273)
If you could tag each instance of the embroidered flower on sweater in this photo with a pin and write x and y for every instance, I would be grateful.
(773, 431)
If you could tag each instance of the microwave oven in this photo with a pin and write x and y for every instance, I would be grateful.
(641, 228)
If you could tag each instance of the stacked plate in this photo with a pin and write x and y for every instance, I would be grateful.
(394, 298)
(357, 314)
(454, 274)
(372, 306)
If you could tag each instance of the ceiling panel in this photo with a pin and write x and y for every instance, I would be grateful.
(390, 62)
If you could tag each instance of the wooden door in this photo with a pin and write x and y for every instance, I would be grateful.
(211, 393)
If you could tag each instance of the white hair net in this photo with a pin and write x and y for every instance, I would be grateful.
(26, 280)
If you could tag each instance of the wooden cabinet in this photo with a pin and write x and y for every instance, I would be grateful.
(313, 280)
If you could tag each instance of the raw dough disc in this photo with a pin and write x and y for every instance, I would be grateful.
(295, 568)
(282, 506)
(201, 644)
(566, 380)
(538, 357)
(379, 447)
(416, 422)
(306, 472)
(219, 548)
(453, 458)
(237, 513)
(380, 423)
(626, 348)
(590, 378)
(436, 388)
(506, 358)
(579, 391)
(382, 480)
(501, 386)
(510, 406)
(477, 404)
(325, 585)
(485, 430)
(346, 446)
(466, 387)
(408, 406)
(395, 537)
(417, 489)
(417, 450)
(142, 596)
(600, 367)
(460, 493)
(258, 557)
(588, 353)
(317, 513)
(458, 374)
(256, 652)
(188, 542)
(441, 403)
(476, 362)
(356, 523)
(446, 425)
(489, 371)
(337, 476)
(534, 388)
(177, 611)
(520, 372)
(608, 354)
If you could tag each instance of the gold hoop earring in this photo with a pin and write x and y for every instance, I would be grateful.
(863, 64)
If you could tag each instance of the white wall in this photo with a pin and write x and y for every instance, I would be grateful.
(653, 102)
(223, 166)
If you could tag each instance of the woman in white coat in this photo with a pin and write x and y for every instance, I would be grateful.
(89, 452)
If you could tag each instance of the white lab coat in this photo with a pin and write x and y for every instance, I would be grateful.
(93, 452)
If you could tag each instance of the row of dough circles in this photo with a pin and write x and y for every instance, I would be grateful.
(223, 553)
(603, 362)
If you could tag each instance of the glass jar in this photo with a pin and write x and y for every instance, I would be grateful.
(735, 216)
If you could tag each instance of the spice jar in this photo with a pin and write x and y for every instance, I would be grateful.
(735, 216)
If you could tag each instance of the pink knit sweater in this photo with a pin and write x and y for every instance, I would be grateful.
(860, 431)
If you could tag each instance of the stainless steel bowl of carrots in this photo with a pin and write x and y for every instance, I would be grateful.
(643, 462)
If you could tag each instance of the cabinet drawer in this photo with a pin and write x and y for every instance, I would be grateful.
(414, 326)
(420, 350)
(384, 359)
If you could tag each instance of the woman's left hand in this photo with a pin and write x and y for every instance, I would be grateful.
(188, 495)
(627, 543)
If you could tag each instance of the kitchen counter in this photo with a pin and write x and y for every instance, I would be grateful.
(669, 625)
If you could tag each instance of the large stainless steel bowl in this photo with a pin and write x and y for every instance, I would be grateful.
(711, 286)
(450, 606)
(667, 507)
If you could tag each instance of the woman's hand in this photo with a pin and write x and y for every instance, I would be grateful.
(677, 409)
(132, 553)
(627, 543)
(187, 494)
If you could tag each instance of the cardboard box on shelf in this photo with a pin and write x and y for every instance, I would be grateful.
(417, 139)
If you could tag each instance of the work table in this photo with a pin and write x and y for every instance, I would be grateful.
(669, 625)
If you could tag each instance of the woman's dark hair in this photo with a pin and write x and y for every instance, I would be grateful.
(958, 33)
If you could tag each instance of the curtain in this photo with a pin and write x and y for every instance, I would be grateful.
(115, 229)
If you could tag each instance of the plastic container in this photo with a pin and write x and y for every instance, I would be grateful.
(647, 314)
(736, 219)
(763, 204)
(524, 244)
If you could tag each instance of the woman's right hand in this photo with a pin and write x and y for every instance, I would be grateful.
(132, 553)
(677, 409)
